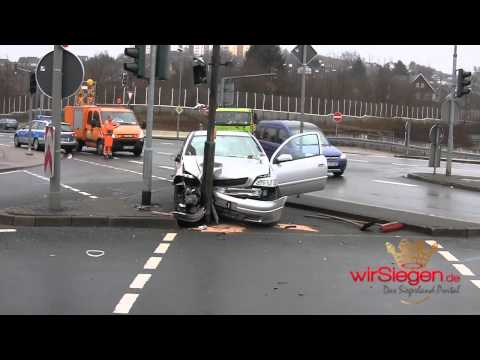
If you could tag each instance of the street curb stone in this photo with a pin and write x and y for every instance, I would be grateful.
(465, 161)
(447, 183)
(89, 221)
(23, 220)
(6, 219)
(53, 220)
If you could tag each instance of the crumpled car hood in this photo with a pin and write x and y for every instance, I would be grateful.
(228, 167)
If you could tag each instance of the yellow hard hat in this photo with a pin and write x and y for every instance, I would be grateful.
(90, 82)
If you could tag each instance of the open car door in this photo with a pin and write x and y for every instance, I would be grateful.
(299, 165)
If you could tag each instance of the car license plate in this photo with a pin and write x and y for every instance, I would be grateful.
(128, 147)
(332, 163)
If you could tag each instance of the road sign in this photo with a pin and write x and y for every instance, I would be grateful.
(298, 52)
(130, 93)
(179, 110)
(308, 70)
(48, 163)
(337, 117)
(72, 78)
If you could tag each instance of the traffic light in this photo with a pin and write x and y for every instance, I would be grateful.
(33, 83)
(162, 70)
(463, 80)
(199, 71)
(138, 66)
(124, 79)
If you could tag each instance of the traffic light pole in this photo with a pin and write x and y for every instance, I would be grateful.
(302, 98)
(30, 118)
(209, 151)
(54, 198)
(448, 171)
(147, 154)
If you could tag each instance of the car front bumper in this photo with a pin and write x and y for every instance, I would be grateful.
(127, 144)
(251, 210)
(339, 167)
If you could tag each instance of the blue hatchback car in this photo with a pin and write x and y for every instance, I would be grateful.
(272, 133)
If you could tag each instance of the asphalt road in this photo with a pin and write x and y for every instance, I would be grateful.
(259, 271)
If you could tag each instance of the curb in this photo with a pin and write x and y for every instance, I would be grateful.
(465, 161)
(16, 168)
(466, 231)
(448, 183)
(158, 137)
(75, 220)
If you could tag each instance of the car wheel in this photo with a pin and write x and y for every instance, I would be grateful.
(137, 152)
(338, 174)
(36, 145)
(68, 150)
(15, 141)
(80, 146)
(100, 148)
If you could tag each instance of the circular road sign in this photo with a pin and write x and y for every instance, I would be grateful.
(337, 117)
(179, 110)
(72, 74)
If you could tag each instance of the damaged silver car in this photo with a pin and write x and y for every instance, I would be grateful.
(247, 185)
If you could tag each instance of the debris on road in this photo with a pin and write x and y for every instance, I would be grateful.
(388, 227)
(296, 227)
(221, 228)
(95, 253)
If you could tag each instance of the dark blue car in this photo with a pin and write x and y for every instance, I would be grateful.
(272, 133)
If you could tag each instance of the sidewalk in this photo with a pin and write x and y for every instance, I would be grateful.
(169, 135)
(12, 158)
(457, 181)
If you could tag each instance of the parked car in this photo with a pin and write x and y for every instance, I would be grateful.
(247, 185)
(21, 136)
(272, 133)
(8, 124)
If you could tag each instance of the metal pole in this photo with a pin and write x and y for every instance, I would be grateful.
(222, 92)
(54, 198)
(147, 154)
(209, 151)
(30, 118)
(302, 98)
(448, 171)
(179, 95)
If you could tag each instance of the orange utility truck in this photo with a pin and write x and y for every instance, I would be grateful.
(87, 119)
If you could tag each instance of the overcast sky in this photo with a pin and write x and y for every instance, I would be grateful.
(436, 56)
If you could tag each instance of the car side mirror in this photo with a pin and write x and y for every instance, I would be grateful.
(178, 157)
(283, 158)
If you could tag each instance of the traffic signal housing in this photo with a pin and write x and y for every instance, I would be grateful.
(162, 69)
(33, 83)
(463, 81)
(136, 67)
(124, 79)
(199, 71)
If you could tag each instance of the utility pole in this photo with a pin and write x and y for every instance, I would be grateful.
(209, 152)
(448, 171)
(54, 198)
(147, 154)
(302, 99)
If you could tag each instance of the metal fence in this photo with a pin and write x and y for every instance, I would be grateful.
(259, 101)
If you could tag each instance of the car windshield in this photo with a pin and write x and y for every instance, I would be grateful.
(227, 146)
(66, 128)
(232, 118)
(312, 128)
(120, 117)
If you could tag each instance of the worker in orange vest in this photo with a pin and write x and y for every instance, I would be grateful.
(107, 131)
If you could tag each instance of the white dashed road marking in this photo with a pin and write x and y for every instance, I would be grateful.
(164, 143)
(169, 237)
(84, 193)
(433, 242)
(362, 161)
(140, 281)
(462, 269)
(448, 256)
(9, 172)
(403, 164)
(167, 167)
(135, 162)
(125, 304)
(161, 249)
(7, 230)
(393, 183)
(476, 283)
(152, 263)
(163, 153)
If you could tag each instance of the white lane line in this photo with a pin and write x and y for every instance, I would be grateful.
(161, 249)
(362, 161)
(76, 190)
(379, 156)
(152, 263)
(7, 230)
(136, 162)
(140, 281)
(476, 283)
(462, 269)
(167, 167)
(6, 145)
(164, 143)
(115, 158)
(403, 164)
(448, 256)
(84, 193)
(9, 172)
(125, 303)
(393, 183)
(158, 177)
(170, 237)
(164, 153)
(93, 197)
(433, 242)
